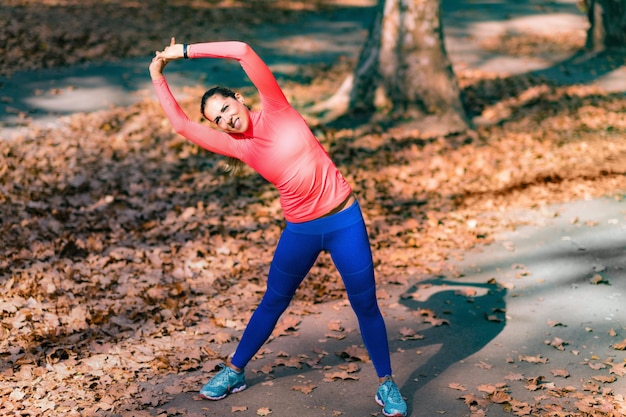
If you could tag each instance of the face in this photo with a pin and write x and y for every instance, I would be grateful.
(228, 114)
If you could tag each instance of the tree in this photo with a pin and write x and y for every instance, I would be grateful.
(607, 19)
(404, 71)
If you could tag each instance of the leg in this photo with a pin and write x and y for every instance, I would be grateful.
(351, 252)
(294, 257)
(352, 255)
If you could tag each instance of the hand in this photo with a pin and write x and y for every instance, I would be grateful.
(171, 52)
(156, 67)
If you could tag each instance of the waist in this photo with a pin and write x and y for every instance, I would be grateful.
(342, 206)
(345, 217)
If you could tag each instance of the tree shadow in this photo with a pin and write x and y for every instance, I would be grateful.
(473, 314)
(579, 69)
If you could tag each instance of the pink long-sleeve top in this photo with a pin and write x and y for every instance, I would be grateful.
(278, 144)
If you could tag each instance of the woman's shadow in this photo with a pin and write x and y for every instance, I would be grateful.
(459, 317)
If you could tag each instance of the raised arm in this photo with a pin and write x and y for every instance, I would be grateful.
(204, 136)
(272, 97)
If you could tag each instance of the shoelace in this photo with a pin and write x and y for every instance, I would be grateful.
(393, 393)
(222, 376)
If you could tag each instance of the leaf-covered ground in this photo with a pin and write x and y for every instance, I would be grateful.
(124, 246)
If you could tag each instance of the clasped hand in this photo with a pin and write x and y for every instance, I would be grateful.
(172, 51)
(161, 58)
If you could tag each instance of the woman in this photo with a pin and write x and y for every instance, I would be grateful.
(320, 210)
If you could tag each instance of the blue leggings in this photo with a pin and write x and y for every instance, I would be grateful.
(344, 236)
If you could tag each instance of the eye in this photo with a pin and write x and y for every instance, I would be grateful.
(224, 108)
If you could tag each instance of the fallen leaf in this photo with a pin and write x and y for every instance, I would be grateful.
(333, 376)
(410, 334)
(263, 411)
(556, 343)
(238, 408)
(355, 352)
(500, 397)
(514, 377)
(305, 389)
(350, 367)
(597, 279)
(220, 338)
(619, 346)
(560, 372)
(533, 359)
(605, 379)
(335, 326)
(596, 365)
(286, 326)
(488, 388)
(473, 400)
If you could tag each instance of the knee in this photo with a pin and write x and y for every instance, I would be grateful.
(274, 303)
(365, 303)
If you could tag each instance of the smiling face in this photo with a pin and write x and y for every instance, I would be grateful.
(229, 114)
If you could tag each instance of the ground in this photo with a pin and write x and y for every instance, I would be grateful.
(129, 257)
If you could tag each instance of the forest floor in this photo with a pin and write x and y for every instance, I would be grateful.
(130, 263)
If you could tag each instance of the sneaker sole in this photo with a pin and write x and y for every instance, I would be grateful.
(382, 404)
(232, 391)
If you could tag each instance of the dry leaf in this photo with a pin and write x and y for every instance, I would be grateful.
(263, 411)
(410, 334)
(335, 326)
(289, 362)
(605, 379)
(488, 388)
(500, 397)
(556, 343)
(560, 372)
(533, 359)
(514, 377)
(305, 389)
(238, 408)
(598, 279)
(596, 365)
(286, 326)
(355, 352)
(220, 338)
(473, 400)
(619, 346)
(333, 376)
(350, 367)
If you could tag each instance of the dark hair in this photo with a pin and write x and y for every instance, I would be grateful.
(231, 165)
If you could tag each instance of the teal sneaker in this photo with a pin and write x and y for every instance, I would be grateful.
(388, 396)
(225, 382)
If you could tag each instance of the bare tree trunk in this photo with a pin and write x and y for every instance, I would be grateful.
(404, 70)
(607, 19)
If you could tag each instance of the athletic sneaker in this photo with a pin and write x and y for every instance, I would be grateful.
(388, 396)
(225, 382)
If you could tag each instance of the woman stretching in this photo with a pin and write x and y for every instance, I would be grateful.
(320, 210)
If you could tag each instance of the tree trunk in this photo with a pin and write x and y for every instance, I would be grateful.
(607, 19)
(404, 70)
